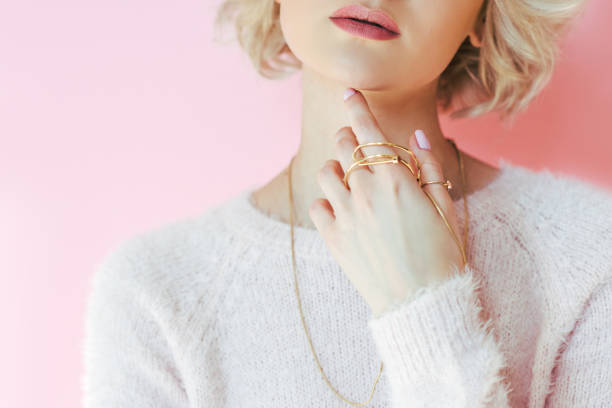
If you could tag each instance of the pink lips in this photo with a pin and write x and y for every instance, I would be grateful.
(359, 12)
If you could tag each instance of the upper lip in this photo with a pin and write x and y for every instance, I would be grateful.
(359, 12)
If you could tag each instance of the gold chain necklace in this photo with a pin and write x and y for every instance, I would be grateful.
(297, 293)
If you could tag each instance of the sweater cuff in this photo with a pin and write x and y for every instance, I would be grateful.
(435, 346)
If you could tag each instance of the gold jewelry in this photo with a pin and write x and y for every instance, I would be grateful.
(393, 158)
(446, 183)
(297, 294)
(366, 161)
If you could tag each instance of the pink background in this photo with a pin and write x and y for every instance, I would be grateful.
(111, 117)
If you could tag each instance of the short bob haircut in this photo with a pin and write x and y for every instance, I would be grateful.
(515, 61)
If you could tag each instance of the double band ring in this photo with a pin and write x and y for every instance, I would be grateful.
(390, 158)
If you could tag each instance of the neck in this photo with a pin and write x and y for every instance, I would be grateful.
(398, 112)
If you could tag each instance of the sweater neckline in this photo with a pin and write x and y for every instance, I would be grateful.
(272, 234)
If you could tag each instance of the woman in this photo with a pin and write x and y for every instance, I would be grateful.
(420, 278)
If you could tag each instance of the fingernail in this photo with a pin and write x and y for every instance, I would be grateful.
(348, 93)
(422, 139)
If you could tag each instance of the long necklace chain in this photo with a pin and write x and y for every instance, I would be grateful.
(297, 293)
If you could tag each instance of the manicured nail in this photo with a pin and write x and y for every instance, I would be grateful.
(348, 93)
(422, 139)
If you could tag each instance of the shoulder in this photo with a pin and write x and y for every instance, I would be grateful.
(168, 265)
(568, 218)
(148, 254)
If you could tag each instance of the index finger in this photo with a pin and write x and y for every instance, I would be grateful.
(364, 124)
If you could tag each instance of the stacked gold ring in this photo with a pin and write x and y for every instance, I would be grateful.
(394, 158)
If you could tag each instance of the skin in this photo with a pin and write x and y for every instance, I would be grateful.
(368, 226)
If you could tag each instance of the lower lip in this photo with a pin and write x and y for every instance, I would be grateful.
(364, 30)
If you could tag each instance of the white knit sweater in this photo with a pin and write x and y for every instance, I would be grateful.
(201, 312)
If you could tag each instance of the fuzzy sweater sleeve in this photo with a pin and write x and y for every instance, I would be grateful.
(437, 350)
(128, 362)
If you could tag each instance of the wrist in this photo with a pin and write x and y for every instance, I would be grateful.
(390, 303)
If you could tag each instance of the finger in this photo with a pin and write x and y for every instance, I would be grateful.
(322, 215)
(330, 178)
(431, 170)
(365, 127)
(344, 145)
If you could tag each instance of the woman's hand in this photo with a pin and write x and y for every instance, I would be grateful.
(384, 231)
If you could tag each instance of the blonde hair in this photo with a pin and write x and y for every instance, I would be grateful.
(515, 61)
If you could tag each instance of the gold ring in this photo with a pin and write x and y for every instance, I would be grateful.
(446, 183)
(366, 161)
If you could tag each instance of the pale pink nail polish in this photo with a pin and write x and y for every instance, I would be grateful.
(422, 139)
(348, 93)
